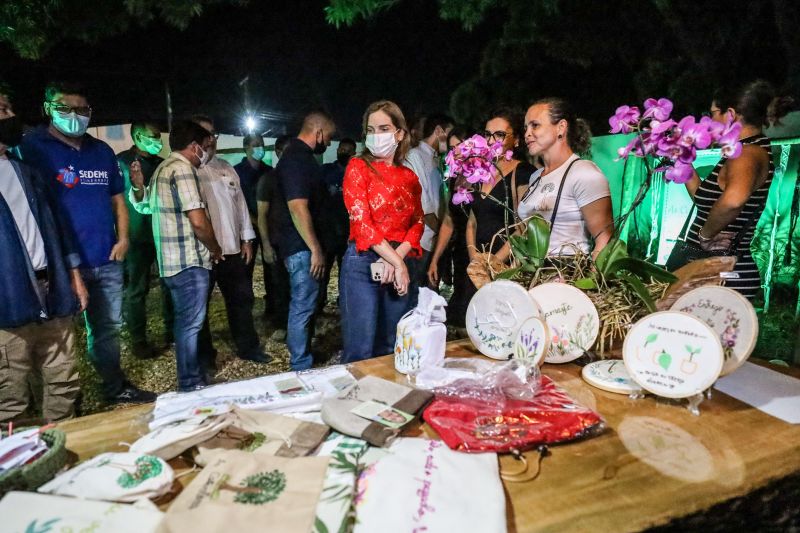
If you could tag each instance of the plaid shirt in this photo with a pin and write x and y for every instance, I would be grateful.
(173, 191)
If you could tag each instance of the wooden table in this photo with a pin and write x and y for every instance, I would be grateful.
(655, 462)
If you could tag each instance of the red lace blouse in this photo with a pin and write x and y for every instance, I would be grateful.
(384, 203)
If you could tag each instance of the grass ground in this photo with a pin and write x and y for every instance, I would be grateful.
(777, 340)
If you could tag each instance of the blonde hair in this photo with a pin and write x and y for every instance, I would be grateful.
(398, 121)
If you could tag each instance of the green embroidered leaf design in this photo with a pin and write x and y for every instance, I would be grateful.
(319, 526)
(664, 360)
(46, 527)
(650, 338)
(252, 442)
(147, 467)
(261, 488)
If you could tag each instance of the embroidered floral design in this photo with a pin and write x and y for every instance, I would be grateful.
(147, 467)
(259, 489)
(44, 527)
(252, 442)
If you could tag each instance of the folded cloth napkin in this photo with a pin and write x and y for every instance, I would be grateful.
(116, 477)
(336, 412)
(263, 432)
(240, 491)
(422, 485)
(31, 512)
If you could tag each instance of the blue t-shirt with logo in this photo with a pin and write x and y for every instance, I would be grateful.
(84, 181)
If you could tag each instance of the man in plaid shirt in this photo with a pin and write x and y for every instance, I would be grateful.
(185, 241)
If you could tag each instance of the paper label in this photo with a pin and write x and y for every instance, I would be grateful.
(382, 414)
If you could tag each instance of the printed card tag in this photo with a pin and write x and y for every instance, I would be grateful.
(382, 414)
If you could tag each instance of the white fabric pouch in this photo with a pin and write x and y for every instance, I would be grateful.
(116, 477)
(421, 334)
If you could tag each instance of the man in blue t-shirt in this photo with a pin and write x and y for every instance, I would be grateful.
(85, 176)
(297, 204)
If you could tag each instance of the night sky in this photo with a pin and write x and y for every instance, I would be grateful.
(295, 61)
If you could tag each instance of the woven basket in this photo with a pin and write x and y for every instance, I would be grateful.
(32, 476)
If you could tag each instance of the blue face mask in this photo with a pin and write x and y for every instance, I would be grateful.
(258, 153)
(70, 124)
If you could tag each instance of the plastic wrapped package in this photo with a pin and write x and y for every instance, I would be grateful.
(509, 407)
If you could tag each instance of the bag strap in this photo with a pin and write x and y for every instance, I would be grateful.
(560, 190)
(687, 223)
(741, 233)
(514, 189)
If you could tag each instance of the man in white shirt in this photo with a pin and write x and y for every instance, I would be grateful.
(423, 159)
(230, 218)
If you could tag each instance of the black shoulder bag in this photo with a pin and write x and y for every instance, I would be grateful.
(685, 252)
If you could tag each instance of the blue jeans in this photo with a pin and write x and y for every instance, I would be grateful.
(370, 310)
(103, 321)
(304, 290)
(189, 291)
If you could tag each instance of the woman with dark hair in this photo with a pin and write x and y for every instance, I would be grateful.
(451, 246)
(491, 211)
(571, 193)
(731, 199)
(384, 201)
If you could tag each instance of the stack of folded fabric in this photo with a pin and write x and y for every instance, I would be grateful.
(338, 412)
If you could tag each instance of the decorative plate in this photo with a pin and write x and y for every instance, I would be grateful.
(728, 313)
(571, 318)
(673, 354)
(495, 315)
(533, 340)
(609, 375)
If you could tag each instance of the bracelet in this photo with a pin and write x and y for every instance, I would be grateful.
(701, 237)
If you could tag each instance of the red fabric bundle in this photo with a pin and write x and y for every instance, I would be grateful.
(472, 422)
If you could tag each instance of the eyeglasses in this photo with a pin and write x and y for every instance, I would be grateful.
(85, 111)
(496, 135)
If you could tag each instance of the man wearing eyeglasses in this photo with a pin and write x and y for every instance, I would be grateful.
(423, 159)
(85, 176)
(141, 256)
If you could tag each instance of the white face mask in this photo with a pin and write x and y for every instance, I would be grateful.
(203, 157)
(381, 144)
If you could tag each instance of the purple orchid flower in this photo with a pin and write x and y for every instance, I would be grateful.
(679, 173)
(693, 134)
(625, 119)
(657, 109)
(729, 140)
(462, 196)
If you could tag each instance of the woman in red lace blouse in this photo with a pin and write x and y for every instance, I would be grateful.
(383, 199)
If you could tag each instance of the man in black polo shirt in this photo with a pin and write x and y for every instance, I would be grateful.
(297, 203)
(142, 252)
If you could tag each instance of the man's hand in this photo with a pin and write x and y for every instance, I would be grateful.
(433, 274)
(317, 263)
(80, 290)
(119, 251)
(268, 252)
(137, 177)
(247, 252)
(216, 253)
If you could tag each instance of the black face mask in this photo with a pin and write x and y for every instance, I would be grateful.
(343, 159)
(11, 131)
(320, 147)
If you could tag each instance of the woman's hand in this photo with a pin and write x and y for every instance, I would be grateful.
(401, 279)
(720, 242)
(388, 274)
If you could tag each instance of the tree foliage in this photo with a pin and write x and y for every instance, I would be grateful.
(33, 27)
(614, 51)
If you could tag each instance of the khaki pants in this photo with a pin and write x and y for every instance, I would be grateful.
(47, 349)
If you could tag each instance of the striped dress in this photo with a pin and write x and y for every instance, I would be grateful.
(708, 193)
